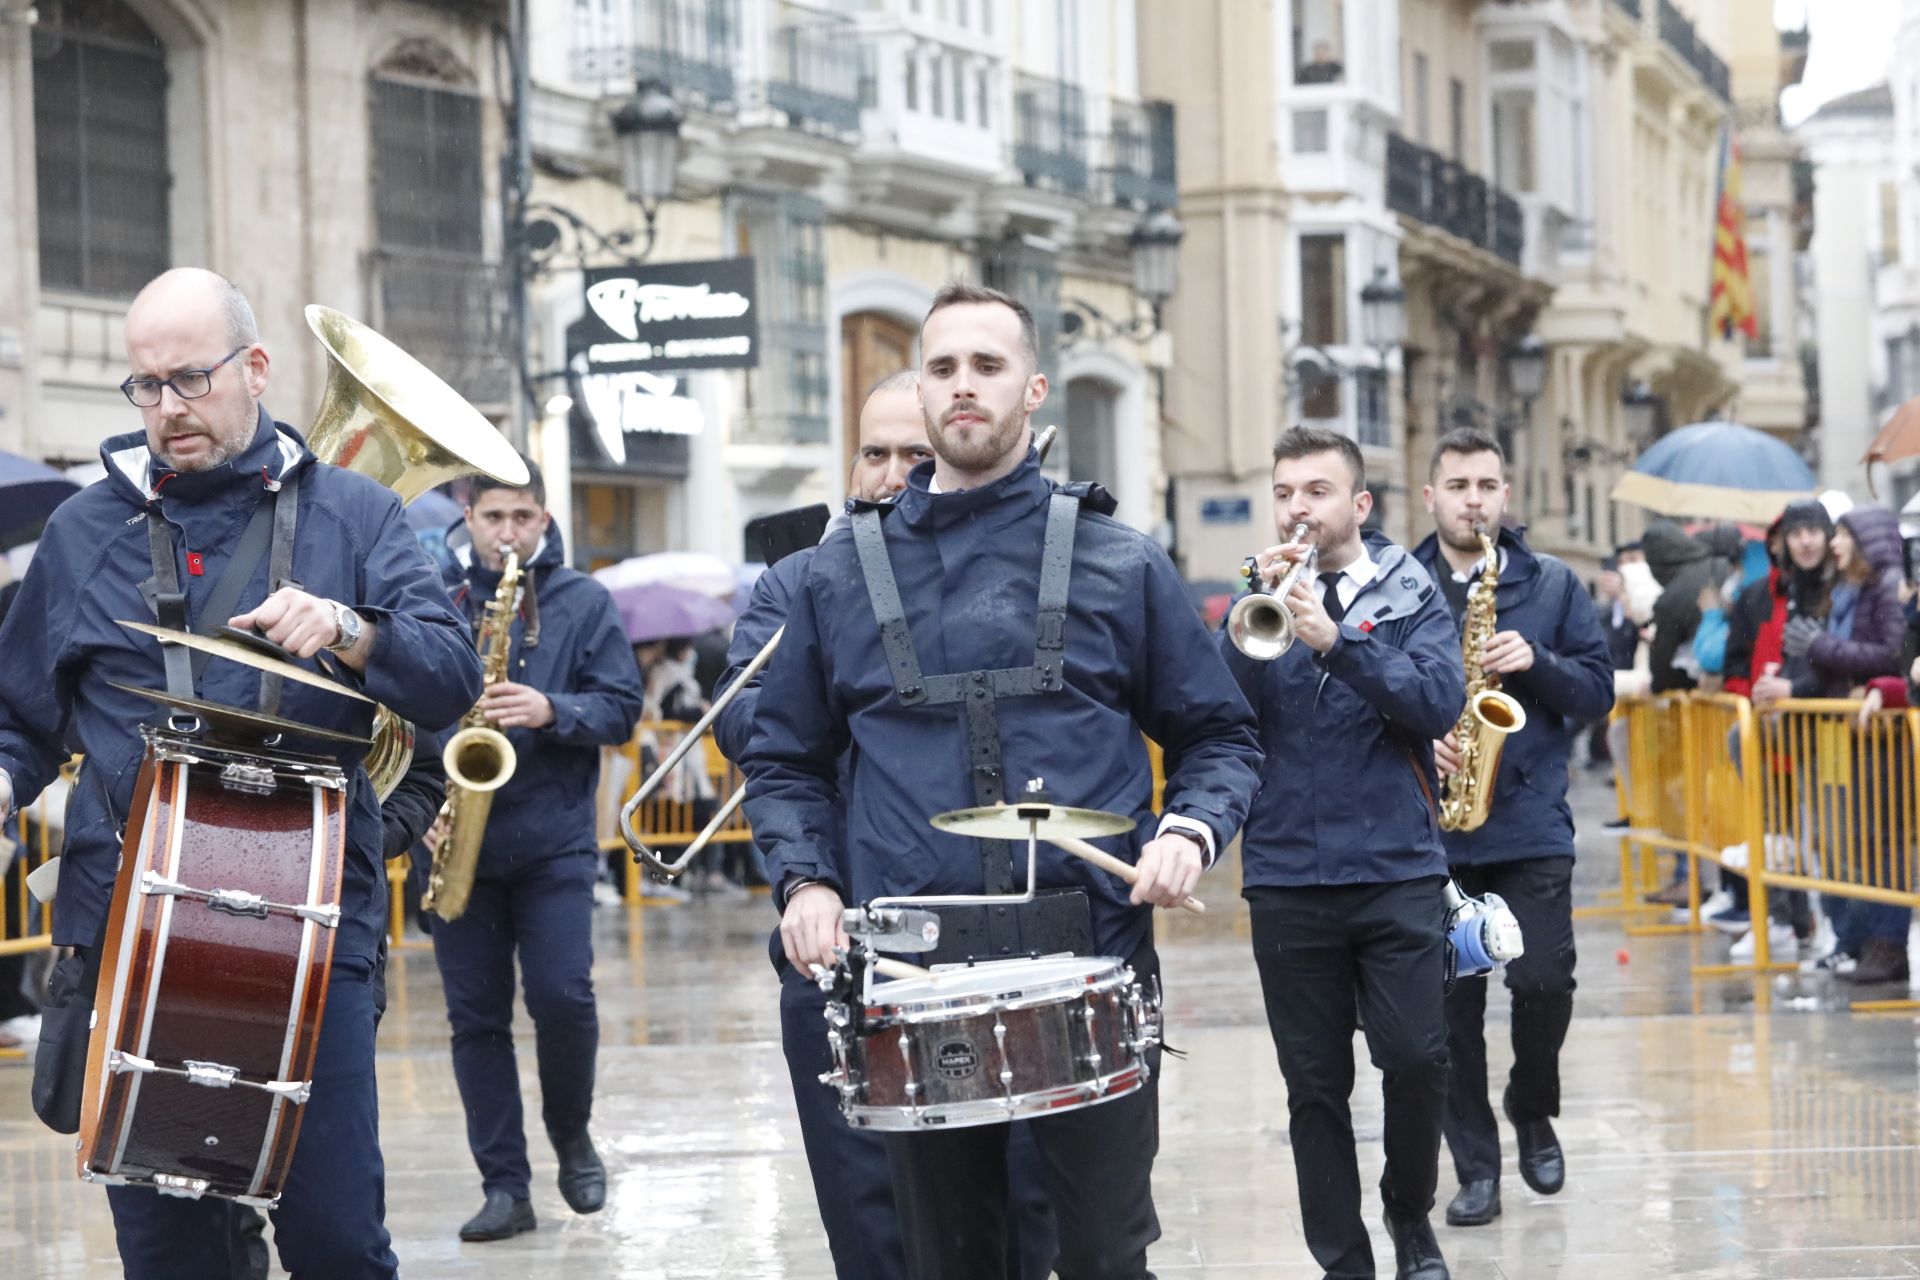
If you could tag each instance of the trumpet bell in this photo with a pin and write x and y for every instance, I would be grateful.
(1260, 627)
(392, 419)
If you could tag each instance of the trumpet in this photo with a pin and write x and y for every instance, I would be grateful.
(1261, 625)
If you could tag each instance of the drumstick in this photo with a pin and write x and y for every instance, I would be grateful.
(899, 969)
(1107, 862)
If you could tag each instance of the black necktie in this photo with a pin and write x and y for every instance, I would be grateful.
(1331, 599)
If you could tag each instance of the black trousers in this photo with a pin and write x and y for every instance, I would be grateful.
(1097, 1162)
(852, 1181)
(1330, 958)
(1540, 891)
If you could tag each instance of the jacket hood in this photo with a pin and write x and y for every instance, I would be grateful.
(1876, 531)
(1670, 549)
(275, 452)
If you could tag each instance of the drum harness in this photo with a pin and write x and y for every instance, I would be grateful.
(1058, 920)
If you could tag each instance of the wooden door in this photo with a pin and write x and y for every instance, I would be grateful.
(872, 345)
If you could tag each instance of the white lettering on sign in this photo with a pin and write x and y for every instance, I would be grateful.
(604, 353)
(625, 304)
(621, 402)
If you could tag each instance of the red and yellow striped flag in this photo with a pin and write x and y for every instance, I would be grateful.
(1730, 303)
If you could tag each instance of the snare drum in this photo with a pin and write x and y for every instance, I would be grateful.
(214, 971)
(995, 1042)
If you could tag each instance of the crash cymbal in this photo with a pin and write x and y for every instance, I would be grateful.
(233, 651)
(238, 720)
(1016, 821)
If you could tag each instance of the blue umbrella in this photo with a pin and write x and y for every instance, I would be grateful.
(432, 511)
(29, 491)
(1717, 469)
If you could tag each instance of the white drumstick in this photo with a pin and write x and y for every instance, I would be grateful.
(899, 969)
(1107, 862)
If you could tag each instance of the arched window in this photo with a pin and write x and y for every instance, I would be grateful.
(100, 139)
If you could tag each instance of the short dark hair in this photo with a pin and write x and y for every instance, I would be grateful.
(1466, 441)
(958, 294)
(535, 485)
(1301, 442)
(899, 380)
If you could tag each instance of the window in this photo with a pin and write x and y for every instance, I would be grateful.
(1323, 289)
(1889, 222)
(428, 183)
(1310, 132)
(1513, 141)
(1422, 124)
(1457, 118)
(1318, 55)
(937, 85)
(913, 81)
(986, 94)
(1510, 55)
(1372, 407)
(100, 144)
(787, 394)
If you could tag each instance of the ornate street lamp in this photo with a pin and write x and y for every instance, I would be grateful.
(1383, 312)
(1156, 258)
(646, 130)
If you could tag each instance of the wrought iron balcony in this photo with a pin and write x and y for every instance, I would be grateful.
(1142, 168)
(690, 46)
(815, 75)
(1050, 134)
(449, 311)
(1442, 193)
(1679, 35)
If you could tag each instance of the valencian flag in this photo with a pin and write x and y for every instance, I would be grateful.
(1730, 301)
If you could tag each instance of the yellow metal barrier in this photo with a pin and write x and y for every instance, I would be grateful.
(680, 809)
(25, 923)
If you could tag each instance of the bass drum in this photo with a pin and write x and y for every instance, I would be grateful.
(214, 971)
(994, 1042)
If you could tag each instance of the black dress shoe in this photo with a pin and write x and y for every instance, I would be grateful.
(583, 1179)
(1542, 1164)
(1477, 1204)
(1416, 1254)
(1883, 960)
(500, 1218)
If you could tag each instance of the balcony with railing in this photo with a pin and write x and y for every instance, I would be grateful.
(814, 76)
(1140, 155)
(1050, 134)
(932, 99)
(1678, 34)
(690, 46)
(1444, 194)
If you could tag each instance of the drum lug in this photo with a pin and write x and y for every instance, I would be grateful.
(212, 1075)
(294, 1091)
(238, 902)
(172, 1184)
(253, 779)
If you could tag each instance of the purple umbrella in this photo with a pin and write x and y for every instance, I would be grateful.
(660, 611)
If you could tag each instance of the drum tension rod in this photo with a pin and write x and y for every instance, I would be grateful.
(211, 1075)
(172, 1184)
(239, 902)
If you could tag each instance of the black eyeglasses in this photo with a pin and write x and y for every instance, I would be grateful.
(188, 384)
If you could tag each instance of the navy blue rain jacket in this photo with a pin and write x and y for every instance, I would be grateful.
(60, 646)
(584, 664)
(968, 567)
(1348, 792)
(1570, 685)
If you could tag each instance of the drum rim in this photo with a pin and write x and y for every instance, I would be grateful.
(1052, 1101)
(963, 987)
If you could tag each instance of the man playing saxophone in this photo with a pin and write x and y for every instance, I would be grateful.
(1343, 864)
(1549, 655)
(571, 687)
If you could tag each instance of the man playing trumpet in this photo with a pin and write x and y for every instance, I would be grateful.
(1344, 868)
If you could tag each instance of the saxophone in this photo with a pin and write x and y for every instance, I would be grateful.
(479, 760)
(1489, 715)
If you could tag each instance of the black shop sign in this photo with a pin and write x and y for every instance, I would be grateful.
(671, 316)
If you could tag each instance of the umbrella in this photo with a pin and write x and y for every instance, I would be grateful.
(688, 570)
(660, 611)
(1900, 438)
(29, 491)
(432, 511)
(1717, 469)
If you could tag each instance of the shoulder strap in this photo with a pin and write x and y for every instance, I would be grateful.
(1056, 572)
(169, 602)
(884, 593)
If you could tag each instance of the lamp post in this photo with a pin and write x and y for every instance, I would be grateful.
(1383, 313)
(1642, 412)
(1154, 249)
(646, 130)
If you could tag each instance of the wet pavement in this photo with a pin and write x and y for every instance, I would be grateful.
(1712, 1128)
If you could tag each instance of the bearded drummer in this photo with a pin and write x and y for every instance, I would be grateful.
(208, 455)
(1062, 636)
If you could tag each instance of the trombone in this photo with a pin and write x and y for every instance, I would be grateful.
(1260, 624)
(642, 852)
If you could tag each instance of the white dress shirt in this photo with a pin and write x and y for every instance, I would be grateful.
(1356, 575)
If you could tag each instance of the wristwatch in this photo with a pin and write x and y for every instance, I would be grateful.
(347, 628)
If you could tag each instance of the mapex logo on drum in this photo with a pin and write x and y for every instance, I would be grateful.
(956, 1059)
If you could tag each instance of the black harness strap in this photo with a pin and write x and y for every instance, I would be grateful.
(285, 501)
(169, 602)
(977, 692)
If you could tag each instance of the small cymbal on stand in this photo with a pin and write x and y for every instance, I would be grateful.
(1031, 818)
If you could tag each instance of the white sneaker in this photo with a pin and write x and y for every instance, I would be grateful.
(1717, 901)
(605, 894)
(1734, 857)
(1781, 944)
(26, 1030)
